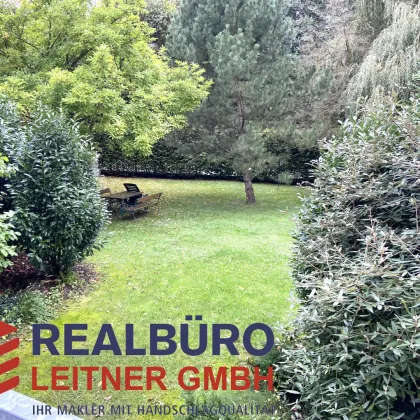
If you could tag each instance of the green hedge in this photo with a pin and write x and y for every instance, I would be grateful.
(165, 161)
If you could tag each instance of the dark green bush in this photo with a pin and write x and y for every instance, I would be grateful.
(9, 126)
(7, 236)
(166, 160)
(7, 232)
(354, 350)
(55, 193)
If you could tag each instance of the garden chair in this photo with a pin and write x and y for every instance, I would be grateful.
(133, 188)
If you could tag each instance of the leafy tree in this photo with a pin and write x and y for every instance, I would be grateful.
(330, 41)
(58, 210)
(96, 63)
(358, 49)
(158, 15)
(393, 56)
(246, 48)
(353, 350)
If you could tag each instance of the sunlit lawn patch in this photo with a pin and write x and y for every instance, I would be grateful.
(206, 253)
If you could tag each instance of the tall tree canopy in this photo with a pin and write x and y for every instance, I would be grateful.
(393, 56)
(361, 49)
(95, 61)
(158, 15)
(246, 48)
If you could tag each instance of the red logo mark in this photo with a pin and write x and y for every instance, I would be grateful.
(11, 364)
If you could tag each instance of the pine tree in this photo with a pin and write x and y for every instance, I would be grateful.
(246, 47)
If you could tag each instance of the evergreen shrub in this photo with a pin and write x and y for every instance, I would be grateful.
(58, 209)
(7, 232)
(354, 350)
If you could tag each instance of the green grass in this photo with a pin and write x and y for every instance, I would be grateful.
(207, 253)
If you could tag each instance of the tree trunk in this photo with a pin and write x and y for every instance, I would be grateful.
(249, 189)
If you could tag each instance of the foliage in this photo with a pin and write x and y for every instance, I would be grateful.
(354, 349)
(158, 16)
(26, 307)
(167, 161)
(95, 62)
(58, 209)
(357, 49)
(392, 58)
(246, 47)
(163, 161)
(331, 42)
(7, 231)
(10, 122)
(7, 235)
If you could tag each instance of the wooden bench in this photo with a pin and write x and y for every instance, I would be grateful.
(151, 200)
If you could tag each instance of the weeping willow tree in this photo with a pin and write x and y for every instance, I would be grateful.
(394, 54)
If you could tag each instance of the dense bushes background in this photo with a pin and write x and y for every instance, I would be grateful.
(166, 161)
(354, 349)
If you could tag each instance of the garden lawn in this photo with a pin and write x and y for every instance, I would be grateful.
(205, 253)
